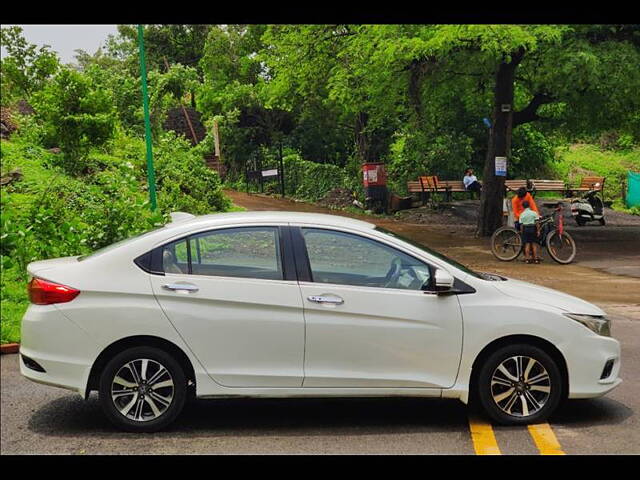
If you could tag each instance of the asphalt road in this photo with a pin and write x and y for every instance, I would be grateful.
(41, 419)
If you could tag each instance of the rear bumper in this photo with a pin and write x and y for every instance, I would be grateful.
(59, 346)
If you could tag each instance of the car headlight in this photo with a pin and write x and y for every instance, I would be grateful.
(596, 323)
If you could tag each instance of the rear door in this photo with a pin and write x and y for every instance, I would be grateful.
(232, 295)
(369, 324)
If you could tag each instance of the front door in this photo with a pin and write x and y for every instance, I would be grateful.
(369, 324)
(225, 292)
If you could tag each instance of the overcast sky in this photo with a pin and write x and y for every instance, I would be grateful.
(64, 39)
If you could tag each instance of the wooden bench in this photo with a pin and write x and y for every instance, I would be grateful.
(428, 184)
(589, 183)
(538, 185)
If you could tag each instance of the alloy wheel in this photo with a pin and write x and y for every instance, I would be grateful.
(520, 386)
(142, 389)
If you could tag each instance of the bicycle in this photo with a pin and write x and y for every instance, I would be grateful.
(506, 242)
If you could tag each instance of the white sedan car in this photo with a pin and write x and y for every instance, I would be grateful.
(279, 304)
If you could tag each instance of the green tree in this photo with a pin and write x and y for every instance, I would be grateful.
(77, 115)
(561, 75)
(26, 68)
(172, 44)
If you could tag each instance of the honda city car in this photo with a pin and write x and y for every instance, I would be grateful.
(280, 304)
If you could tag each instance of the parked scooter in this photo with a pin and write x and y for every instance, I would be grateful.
(588, 208)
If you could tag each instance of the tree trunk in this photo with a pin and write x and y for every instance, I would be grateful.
(491, 201)
(362, 139)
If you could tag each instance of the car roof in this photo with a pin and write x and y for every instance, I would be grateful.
(270, 217)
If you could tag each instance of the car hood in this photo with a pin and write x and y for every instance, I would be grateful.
(547, 296)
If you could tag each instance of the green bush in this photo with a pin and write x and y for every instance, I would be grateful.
(48, 214)
(76, 115)
(310, 180)
(304, 180)
(580, 160)
(183, 181)
(531, 152)
(445, 155)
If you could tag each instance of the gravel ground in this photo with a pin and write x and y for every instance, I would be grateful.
(465, 213)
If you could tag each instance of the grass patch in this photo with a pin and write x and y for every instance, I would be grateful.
(13, 305)
(579, 160)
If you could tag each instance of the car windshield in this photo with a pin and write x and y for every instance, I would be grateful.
(433, 252)
(115, 245)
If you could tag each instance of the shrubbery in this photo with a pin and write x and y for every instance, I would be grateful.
(304, 180)
(49, 213)
(577, 161)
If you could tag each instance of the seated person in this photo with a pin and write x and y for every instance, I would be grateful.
(470, 181)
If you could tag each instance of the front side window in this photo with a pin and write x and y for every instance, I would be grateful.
(348, 259)
(247, 252)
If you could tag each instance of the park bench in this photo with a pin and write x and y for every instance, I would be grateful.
(428, 184)
(588, 183)
(539, 185)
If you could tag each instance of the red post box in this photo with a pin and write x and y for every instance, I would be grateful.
(374, 175)
(374, 179)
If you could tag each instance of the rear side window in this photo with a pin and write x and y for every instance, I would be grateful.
(247, 252)
(175, 257)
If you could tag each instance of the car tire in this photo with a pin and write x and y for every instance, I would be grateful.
(512, 399)
(148, 402)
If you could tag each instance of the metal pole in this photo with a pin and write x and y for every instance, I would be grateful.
(281, 170)
(151, 175)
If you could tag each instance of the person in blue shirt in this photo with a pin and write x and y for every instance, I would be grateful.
(530, 230)
(470, 181)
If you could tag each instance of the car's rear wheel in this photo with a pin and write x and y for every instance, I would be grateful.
(142, 389)
(519, 384)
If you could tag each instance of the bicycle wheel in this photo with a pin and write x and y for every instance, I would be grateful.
(562, 248)
(506, 244)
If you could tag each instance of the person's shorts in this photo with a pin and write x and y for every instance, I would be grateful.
(529, 234)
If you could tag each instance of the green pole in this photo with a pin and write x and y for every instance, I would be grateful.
(151, 174)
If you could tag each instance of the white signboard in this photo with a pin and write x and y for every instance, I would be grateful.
(501, 166)
(270, 173)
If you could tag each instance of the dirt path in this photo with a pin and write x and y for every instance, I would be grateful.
(605, 272)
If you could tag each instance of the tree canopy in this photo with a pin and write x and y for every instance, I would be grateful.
(424, 99)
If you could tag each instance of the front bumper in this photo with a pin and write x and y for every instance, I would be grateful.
(586, 362)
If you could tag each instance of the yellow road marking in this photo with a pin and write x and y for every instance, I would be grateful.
(545, 439)
(484, 440)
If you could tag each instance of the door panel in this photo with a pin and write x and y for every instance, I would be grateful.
(381, 338)
(389, 335)
(247, 332)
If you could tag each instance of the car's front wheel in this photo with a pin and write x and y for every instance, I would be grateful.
(519, 384)
(142, 389)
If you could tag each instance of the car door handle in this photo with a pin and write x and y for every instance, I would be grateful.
(180, 286)
(334, 299)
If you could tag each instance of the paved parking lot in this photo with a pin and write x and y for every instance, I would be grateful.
(40, 419)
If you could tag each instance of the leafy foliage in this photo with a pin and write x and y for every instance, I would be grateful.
(26, 68)
(76, 115)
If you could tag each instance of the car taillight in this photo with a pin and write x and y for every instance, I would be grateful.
(44, 292)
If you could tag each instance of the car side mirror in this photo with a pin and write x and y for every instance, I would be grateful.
(442, 283)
